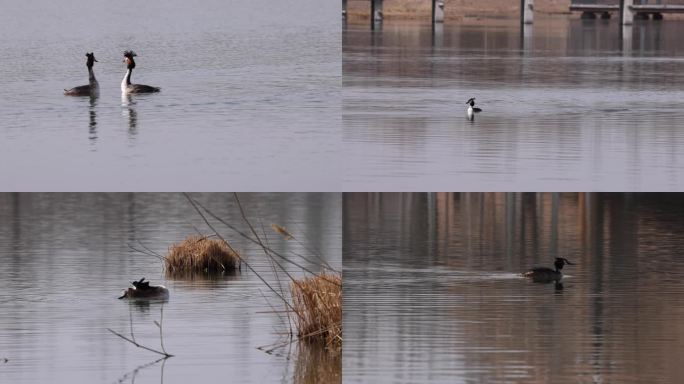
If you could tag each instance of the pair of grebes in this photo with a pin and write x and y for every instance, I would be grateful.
(143, 290)
(93, 88)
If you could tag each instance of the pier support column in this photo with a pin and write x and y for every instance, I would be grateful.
(626, 14)
(376, 10)
(376, 13)
(344, 8)
(437, 11)
(526, 11)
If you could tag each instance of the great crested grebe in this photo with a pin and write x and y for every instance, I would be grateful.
(547, 275)
(93, 88)
(126, 86)
(143, 290)
(471, 108)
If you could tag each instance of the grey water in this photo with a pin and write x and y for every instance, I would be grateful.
(432, 291)
(64, 259)
(250, 96)
(568, 104)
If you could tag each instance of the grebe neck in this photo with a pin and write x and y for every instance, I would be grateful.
(126, 80)
(91, 75)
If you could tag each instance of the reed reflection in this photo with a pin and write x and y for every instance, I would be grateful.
(314, 364)
(134, 373)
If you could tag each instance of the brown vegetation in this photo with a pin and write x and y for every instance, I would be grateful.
(317, 302)
(201, 254)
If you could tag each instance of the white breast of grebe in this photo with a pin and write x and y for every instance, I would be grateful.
(123, 82)
(470, 110)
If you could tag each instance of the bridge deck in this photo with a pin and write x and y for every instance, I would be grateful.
(595, 7)
(647, 8)
(642, 8)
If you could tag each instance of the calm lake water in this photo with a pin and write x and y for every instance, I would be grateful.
(65, 259)
(432, 292)
(250, 96)
(567, 105)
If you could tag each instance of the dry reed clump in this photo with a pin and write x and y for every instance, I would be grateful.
(317, 302)
(201, 254)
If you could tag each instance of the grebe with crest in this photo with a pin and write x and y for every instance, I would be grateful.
(126, 86)
(547, 275)
(93, 88)
(471, 108)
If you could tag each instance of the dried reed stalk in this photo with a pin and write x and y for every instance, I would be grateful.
(317, 301)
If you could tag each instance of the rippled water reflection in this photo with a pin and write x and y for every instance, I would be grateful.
(241, 81)
(65, 259)
(432, 292)
(566, 103)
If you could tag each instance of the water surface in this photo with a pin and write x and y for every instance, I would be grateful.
(432, 291)
(242, 82)
(568, 105)
(65, 258)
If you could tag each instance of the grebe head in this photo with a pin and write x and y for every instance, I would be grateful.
(141, 284)
(91, 59)
(560, 263)
(128, 59)
(471, 101)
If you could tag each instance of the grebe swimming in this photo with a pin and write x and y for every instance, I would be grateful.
(93, 88)
(126, 86)
(547, 275)
(471, 108)
(143, 290)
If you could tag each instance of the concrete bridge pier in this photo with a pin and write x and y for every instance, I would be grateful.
(437, 11)
(376, 10)
(526, 11)
(626, 14)
(376, 13)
